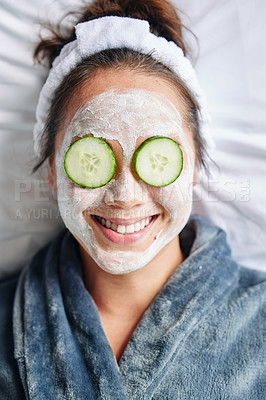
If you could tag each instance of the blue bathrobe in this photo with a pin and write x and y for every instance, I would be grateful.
(203, 337)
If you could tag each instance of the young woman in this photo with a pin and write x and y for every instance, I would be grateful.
(136, 299)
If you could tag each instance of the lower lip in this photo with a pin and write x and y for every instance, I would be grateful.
(126, 238)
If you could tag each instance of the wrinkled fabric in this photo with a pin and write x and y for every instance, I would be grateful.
(201, 338)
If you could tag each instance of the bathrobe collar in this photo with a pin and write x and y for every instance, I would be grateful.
(60, 344)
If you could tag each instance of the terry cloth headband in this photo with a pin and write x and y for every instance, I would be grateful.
(109, 33)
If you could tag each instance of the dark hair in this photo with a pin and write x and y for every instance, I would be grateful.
(164, 21)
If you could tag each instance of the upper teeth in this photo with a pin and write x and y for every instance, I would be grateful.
(125, 228)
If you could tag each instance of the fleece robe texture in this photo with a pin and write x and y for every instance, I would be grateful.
(203, 337)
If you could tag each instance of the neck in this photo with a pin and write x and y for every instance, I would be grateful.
(129, 295)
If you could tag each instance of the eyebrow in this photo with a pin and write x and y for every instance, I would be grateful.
(76, 138)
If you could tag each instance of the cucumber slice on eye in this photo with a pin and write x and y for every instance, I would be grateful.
(158, 161)
(90, 162)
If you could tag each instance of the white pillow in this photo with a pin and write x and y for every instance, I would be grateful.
(28, 212)
(230, 69)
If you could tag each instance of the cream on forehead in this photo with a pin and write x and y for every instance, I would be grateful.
(125, 116)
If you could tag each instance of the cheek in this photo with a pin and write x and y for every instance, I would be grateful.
(79, 199)
(72, 199)
(176, 199)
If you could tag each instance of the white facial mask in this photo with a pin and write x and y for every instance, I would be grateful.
(125, 116)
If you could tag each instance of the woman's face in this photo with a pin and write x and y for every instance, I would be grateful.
(124, 109)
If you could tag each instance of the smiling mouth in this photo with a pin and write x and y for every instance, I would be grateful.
(127, 228)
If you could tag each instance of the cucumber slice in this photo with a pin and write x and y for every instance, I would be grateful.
(158, 161)
(90, 162)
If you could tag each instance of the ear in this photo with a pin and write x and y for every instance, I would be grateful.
(52, 177)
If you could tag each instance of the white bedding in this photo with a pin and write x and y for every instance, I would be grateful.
(231, 69)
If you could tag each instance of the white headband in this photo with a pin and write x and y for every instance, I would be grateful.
(109, 33)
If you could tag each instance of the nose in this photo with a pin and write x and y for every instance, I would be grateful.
(126, 192)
